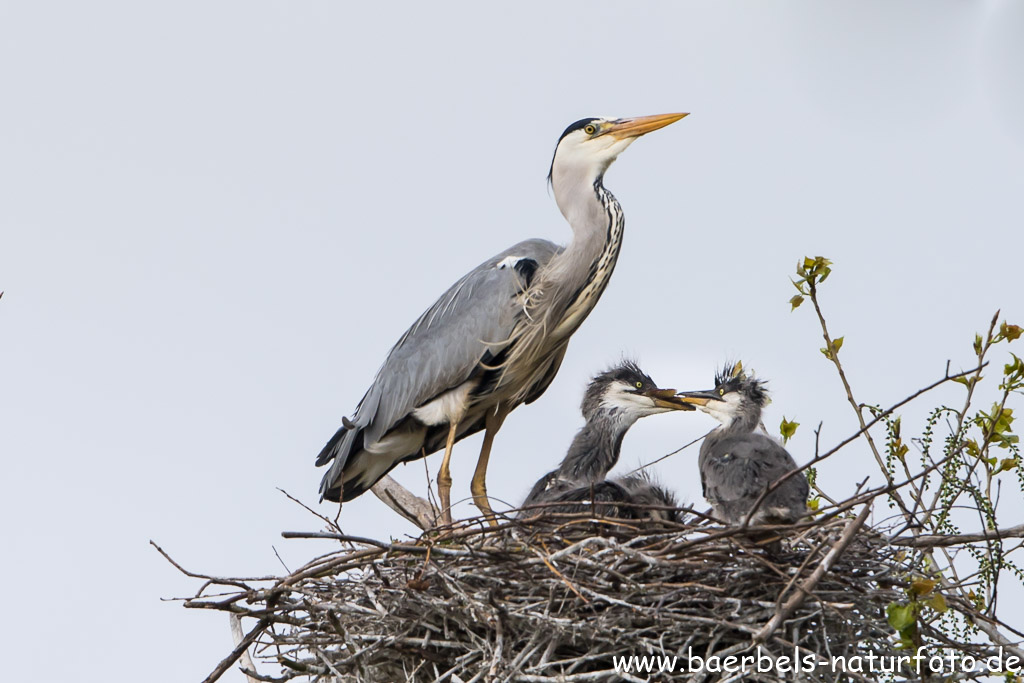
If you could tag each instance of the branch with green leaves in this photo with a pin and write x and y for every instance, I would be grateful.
(979, 451)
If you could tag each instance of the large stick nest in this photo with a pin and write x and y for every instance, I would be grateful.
(558, 598)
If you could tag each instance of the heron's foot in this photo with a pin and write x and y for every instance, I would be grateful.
(482, 504)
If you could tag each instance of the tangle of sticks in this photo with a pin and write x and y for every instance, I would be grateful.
(571, 597)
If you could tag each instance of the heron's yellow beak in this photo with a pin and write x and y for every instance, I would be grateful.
(666, 398)
(635, 127)
(697, 398)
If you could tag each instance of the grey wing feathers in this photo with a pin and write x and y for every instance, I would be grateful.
(546, 488)
(444, 346)
(441, 349)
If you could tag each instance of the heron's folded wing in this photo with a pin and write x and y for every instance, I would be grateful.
(443, 348)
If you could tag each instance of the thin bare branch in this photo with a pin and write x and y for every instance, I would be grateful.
(940, 540)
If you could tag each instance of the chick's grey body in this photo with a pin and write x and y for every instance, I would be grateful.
(635, 496)
(612, 403)
(497, 337)
(736, 468)
(737, 462)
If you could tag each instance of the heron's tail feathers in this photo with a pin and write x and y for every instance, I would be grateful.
(327, 453)
(337, 449)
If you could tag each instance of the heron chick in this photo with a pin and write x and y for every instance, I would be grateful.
(634, 496)
(612, 403)
(738, 462)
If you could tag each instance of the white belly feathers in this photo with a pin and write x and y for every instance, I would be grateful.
(446, 408)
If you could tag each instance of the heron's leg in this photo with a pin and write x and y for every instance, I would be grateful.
(492, 423)
(444, 476)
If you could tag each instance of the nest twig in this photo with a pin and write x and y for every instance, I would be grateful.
(564, 597)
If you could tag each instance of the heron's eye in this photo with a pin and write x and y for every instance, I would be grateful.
(639, 385)
(589, 129)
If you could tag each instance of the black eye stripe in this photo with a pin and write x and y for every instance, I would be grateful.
(578, 125)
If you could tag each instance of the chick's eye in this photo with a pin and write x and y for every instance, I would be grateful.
(589, 129)
(721, 392)
(639, 385)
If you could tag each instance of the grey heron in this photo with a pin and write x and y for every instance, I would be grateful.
(497, 337)
(737, 462)
(612, 403)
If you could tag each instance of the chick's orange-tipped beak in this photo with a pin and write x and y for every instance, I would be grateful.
(666, 398)
(697, 398)
(640, 125)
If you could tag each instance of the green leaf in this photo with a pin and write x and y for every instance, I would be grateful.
(1005, 440)
(1005, 465)
(937, 602)
(977, 343)
(787, 429)
(900, 449)
(1009, 332)
(795, 302)
(900, 617)
(832, 349)
(920, 587)
(813, 270)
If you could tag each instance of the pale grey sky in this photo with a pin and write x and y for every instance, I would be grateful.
(217, 218)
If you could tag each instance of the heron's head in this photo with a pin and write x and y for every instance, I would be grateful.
(644, 489)
(737, 397)
(628, 393)
(589, 146)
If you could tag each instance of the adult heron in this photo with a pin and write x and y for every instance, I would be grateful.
(738, 462)
(496, 338)
(613, 402)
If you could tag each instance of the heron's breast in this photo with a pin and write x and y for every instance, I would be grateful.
(585, 299)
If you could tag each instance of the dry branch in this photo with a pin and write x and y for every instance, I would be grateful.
(403, 501)
(940, 540)
(557, 597)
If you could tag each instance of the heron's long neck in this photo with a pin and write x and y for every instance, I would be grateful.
(596, 447)
(583, 270)
(745, 421)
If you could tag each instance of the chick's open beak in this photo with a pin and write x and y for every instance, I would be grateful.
(698, 398)
(640, 125)
(666, 398)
